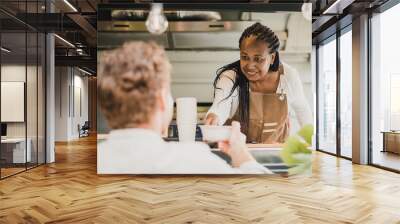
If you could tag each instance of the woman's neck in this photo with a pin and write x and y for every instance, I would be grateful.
(268, 84)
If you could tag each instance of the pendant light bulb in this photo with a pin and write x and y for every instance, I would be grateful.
(156, 22)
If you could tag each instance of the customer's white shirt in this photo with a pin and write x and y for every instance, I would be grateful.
(290, 84)
(142, 151)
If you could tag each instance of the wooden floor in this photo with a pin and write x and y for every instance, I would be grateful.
(70, 191)
(5, 172)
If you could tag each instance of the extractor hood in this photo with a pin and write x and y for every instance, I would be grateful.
(200, 30)
(180, 34)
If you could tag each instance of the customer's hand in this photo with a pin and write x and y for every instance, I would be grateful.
(236, 146)
(211, 119)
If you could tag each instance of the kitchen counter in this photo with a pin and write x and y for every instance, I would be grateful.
(266, 154)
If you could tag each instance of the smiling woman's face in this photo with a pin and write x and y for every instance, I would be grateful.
(255, 58)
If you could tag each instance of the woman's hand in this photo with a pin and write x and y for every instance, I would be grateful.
(211, 119)
(236, 146)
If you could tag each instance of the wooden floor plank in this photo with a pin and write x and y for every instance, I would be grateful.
(70, 191)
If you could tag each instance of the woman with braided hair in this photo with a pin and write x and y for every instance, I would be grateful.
(259, 90)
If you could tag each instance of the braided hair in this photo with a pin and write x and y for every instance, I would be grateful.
(262, 33)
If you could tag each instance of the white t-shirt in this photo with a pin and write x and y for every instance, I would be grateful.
(289, 83)
(142, 151)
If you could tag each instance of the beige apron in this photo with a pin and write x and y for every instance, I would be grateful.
(269, 118)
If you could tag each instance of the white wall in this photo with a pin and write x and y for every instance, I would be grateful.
(12, 73)
(33, 126)
(80, 111)
(61, 103)
(193, 72)
(71, 93)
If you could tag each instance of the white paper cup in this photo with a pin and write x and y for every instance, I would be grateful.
(186, 110)
(212, 133)
(187, 132)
